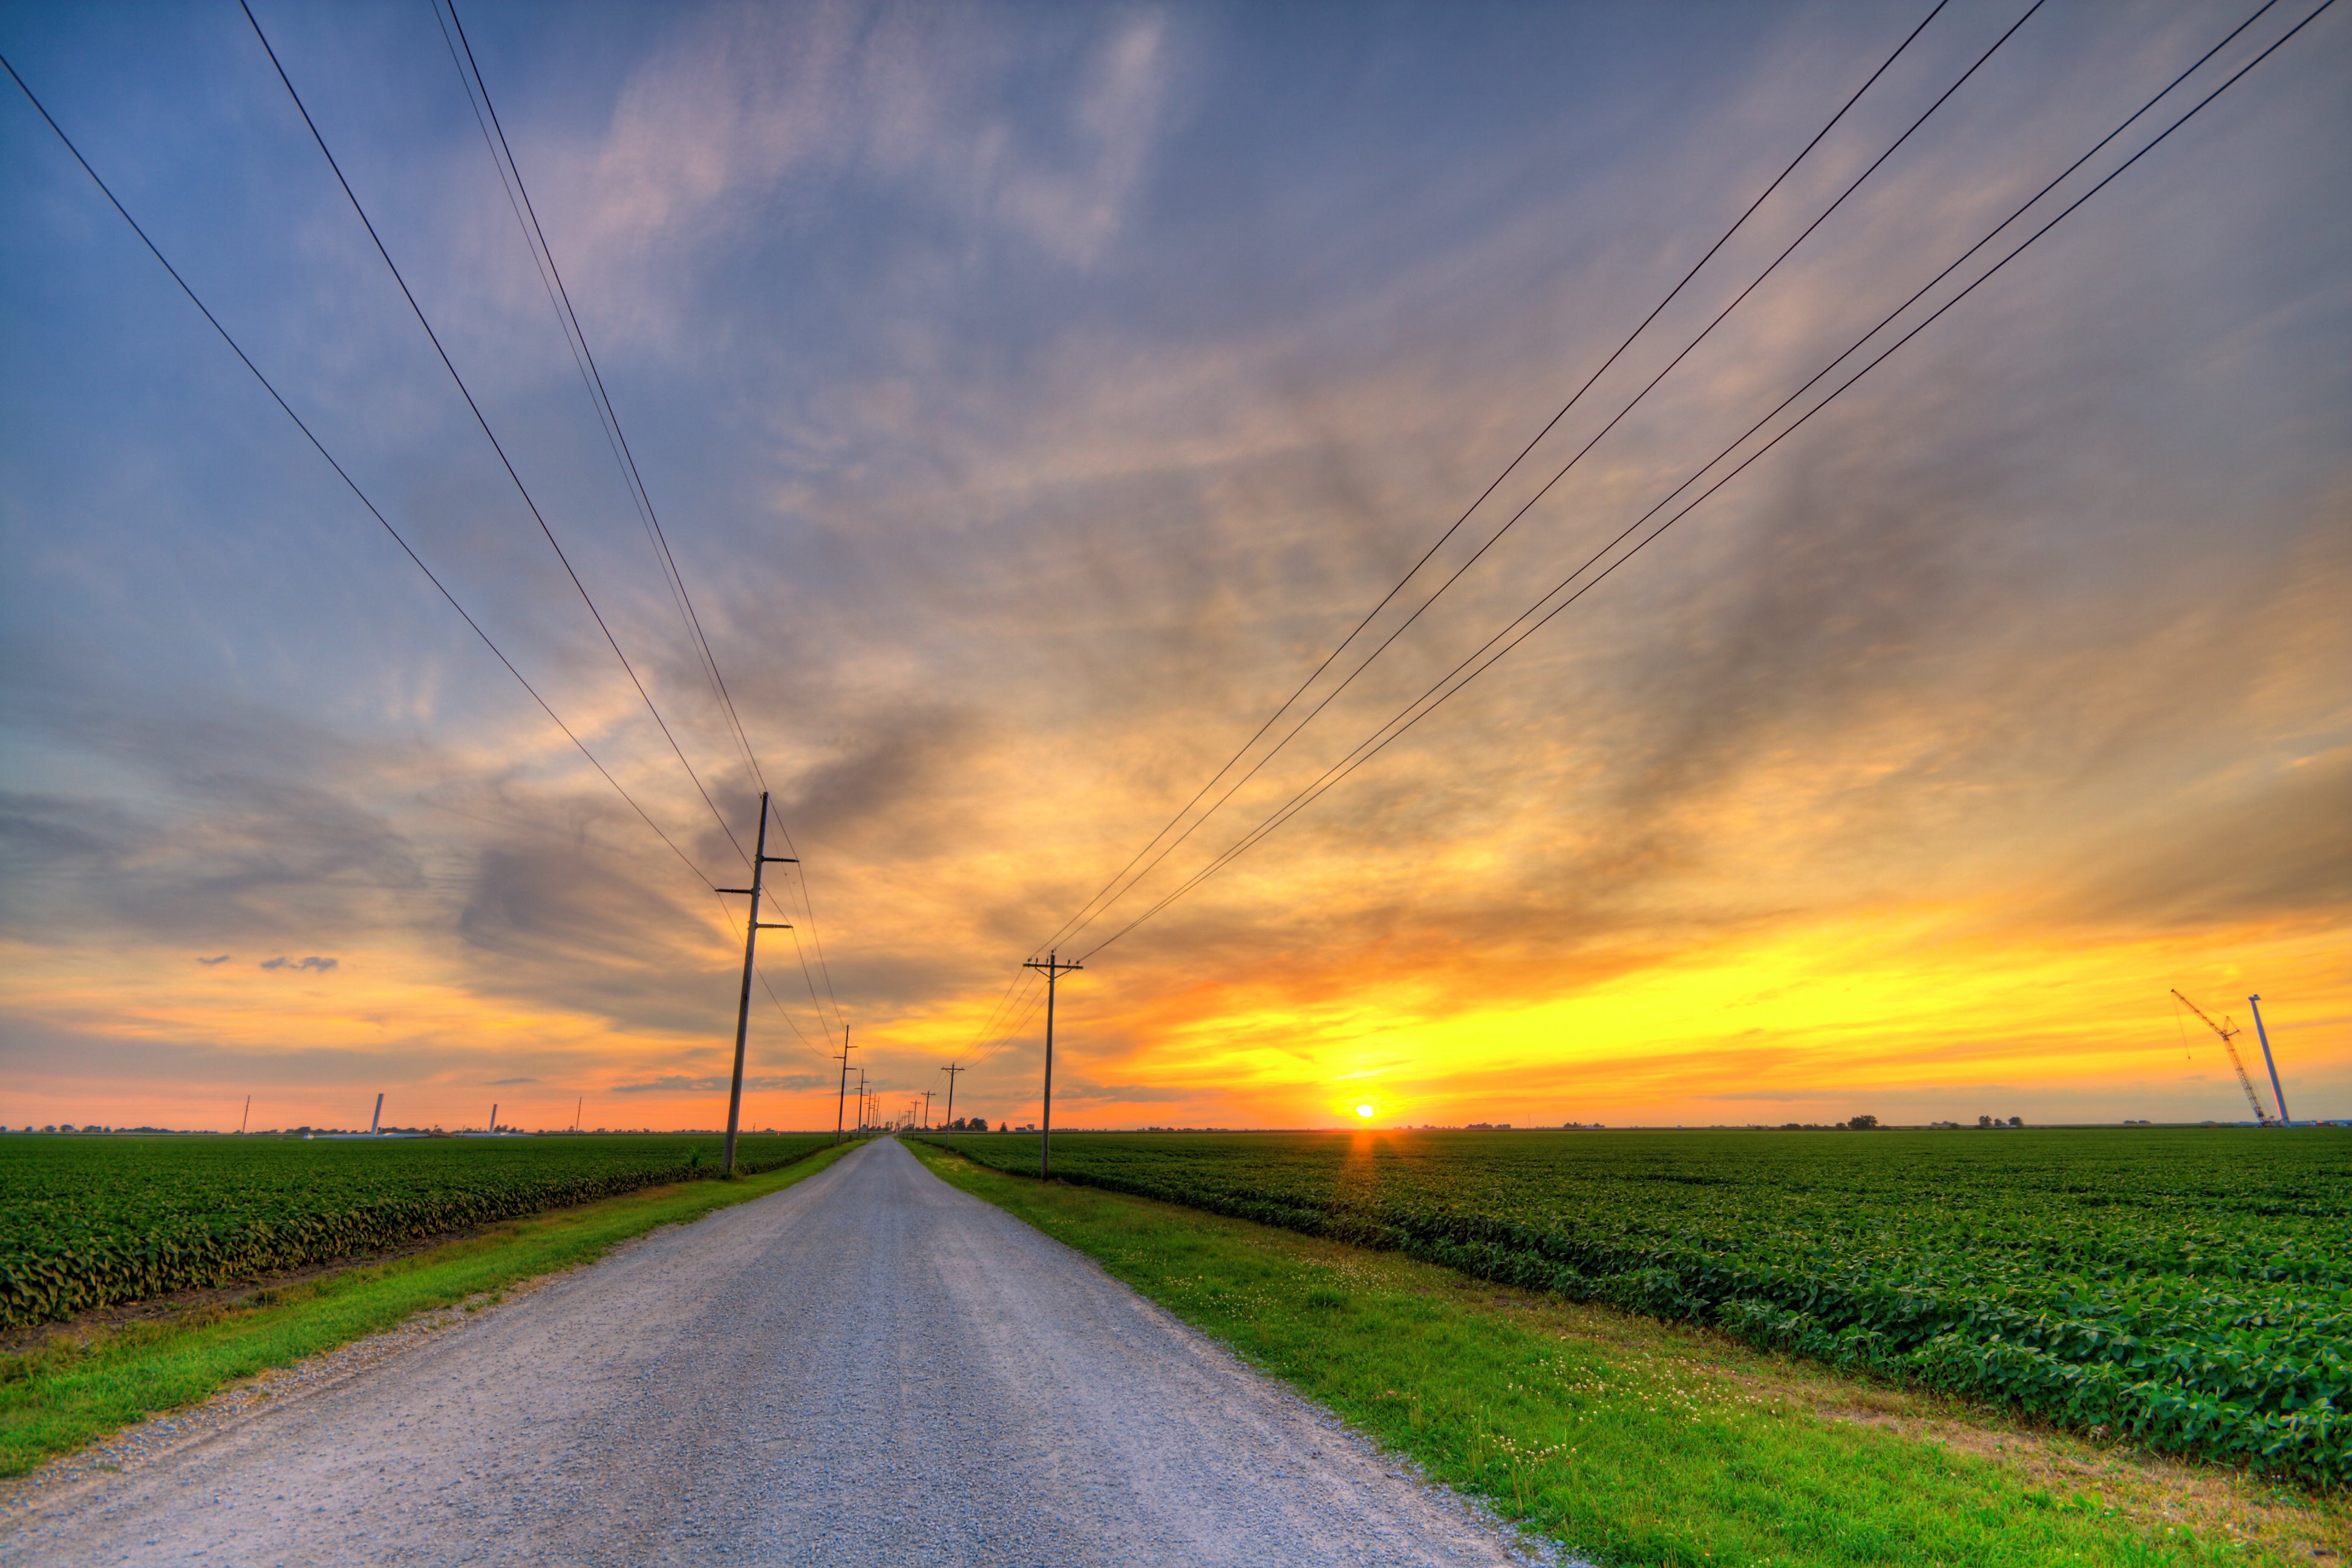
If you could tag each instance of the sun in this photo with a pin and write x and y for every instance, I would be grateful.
(1363, 1111)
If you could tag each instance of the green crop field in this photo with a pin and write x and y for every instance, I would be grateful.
(2190, 1288)
(92, 1222)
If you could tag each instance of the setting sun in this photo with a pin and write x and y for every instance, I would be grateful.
(1363, 1111)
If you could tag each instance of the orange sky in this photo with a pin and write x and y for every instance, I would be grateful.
(1031, 409)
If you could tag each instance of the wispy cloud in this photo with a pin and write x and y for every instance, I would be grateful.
(1032, 398)
(767, 1083)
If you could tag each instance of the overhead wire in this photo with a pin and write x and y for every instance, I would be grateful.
(1098, 903)
(344, 474)
(1530, 504)
(1013, 1030)
(1087, 910)
(558, 294)
(986, 1033)
(482, 420)
(1443, 691)
(782, 1011)
(383, 522)
(517, 193)
(1384, 736)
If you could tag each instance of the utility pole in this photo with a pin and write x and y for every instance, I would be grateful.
(927, 1111)
(841, 1100)
(1055, 968)
(377, 1120)
(2260, 1034)
(494, 1116)
(951, 1070)
(861, 1100)
(752, 927)
(247, 1119)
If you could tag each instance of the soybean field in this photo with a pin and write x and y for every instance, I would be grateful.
(91, 1222)
(2188, 1287)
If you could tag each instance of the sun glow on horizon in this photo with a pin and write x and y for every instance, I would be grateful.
(1363, 1111)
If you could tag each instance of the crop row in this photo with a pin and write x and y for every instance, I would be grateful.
(93, 1223)
(2200, 1305)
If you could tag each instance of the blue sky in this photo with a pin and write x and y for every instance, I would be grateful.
(1031, 397)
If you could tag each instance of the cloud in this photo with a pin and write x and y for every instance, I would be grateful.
(510, 1083)
(1063, 384)
(233, 852)
(211, 962)
(316, 965)
(679, 1084)
(937, 117)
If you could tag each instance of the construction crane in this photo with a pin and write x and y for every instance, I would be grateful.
(2225, 1029)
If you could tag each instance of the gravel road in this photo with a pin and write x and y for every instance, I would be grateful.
(869, 1367)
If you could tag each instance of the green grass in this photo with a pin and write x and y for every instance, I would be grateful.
(2191, 1287)
(55, 1399)
(91, 1222)
(1635, 1441)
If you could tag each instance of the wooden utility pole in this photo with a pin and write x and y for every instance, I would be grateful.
(1055, 968)
(951, 1070)
(752, 927)
(927, 1111)
(841, 1100)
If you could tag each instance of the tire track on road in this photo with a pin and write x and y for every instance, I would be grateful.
(869, 1367)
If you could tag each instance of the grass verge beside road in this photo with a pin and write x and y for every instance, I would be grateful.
(56, 1397)
(1634, 1441)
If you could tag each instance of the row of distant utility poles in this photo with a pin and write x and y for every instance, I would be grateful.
(868, 1113)
(752, 927)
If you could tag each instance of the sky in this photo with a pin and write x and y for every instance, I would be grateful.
(1031, 397)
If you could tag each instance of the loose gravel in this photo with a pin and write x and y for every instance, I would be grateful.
(869, 1367)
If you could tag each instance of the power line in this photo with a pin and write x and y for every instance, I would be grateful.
(1013, 1031)
(1004, 1000)
(1100, 903)
(503, 159)
(1088, 911)
(1441, 691)
(542, 256)
(345, 475)
(383, 522)
(791, 1022)
(1529, 505)
(508, 463)
(816, 937)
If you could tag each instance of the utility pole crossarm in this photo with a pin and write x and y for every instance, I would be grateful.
(752, 926)
(1054, 970)
(840, 1100)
